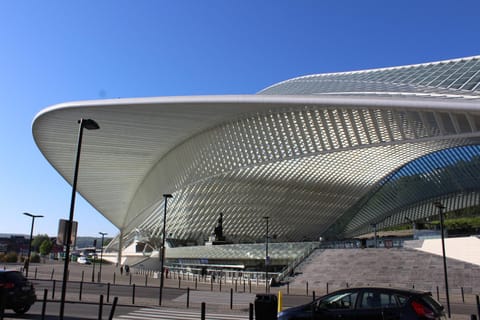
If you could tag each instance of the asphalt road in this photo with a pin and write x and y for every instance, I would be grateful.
(138, 291)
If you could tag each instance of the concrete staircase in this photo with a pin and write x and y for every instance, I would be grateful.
(396, 267)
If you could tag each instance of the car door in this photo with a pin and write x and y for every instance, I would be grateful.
(340, 305)
(375, 304)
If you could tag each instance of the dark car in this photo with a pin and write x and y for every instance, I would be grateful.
(369, 303)
(16, 291)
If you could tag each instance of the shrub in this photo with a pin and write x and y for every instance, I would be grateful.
(10, 257)
(35, 257)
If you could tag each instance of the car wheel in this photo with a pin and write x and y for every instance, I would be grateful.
(21, 309)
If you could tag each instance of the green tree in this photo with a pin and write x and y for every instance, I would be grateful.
(38, 240)
(46, 247)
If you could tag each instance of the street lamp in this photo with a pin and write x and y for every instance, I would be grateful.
(88, 124)
(267, 259)
(101, 256)
(374, 226)
(30, 245)
(162, 249)
(440, 207)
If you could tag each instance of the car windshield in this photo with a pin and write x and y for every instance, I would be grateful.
(15, 276)
(344, 300)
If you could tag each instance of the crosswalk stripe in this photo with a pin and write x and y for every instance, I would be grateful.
(217, 298)
(163, 314)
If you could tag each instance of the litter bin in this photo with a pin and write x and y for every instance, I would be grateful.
(266, 307)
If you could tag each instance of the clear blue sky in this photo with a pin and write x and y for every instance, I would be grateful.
(58, 51)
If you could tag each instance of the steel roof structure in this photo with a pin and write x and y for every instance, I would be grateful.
(322, 155)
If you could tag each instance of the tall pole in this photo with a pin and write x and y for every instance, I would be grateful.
(162, 249)
(94, 255)
(440, 207)
(101, 256)
(267, 259)
(90, 125)
(27, 265)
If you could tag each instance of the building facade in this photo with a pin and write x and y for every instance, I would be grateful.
(323, 156)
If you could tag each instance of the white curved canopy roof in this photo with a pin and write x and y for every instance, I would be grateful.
(302, 158)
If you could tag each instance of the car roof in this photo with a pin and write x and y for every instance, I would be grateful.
(8, 271)
(389, 289)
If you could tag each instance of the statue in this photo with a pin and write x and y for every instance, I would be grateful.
(218, 231)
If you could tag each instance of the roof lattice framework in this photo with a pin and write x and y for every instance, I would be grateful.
(315, 153)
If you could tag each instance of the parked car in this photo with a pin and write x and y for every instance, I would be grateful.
(369, 303)
(19, 292)
(83, 260)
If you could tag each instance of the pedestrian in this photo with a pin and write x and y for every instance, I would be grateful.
(127, 269)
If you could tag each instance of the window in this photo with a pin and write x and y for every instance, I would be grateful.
(375, 299)
(344, 300)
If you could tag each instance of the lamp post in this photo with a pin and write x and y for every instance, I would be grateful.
(162, 253)
(88, 124)
(374, 226)
(267, 258)
(31, 238)
(94, 255)
(440, 208)
(101, 257)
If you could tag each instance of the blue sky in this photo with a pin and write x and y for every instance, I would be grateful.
(58, 51)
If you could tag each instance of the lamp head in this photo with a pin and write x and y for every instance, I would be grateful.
(32, 215)
(89, 124)
(439, 205)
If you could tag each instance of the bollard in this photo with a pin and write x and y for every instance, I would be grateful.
(44, 304)
(235, 285)
(179, 282)
(130, 279)
(243, 285)
(100, 308)
(80, 291)
(288, 288)
(280, 302)
(133, 294)
(478, 306)
(438, 294)
(196, 280)
(231, 298)
(3, 302)
(307, 287)
(114, 305)
(202, 316)
(53, 289)
(51, 276)
(463, 296)
(312, 308)
(146, 279)
(35, 274)
(108, 292)
(313, 295)
(327, 287)
(346, 283)
(220, 285)
(188, 297)
(473, 317)
(83, 272)
(211, 284)
(114, 277)
(250, 285)
(250, 311)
